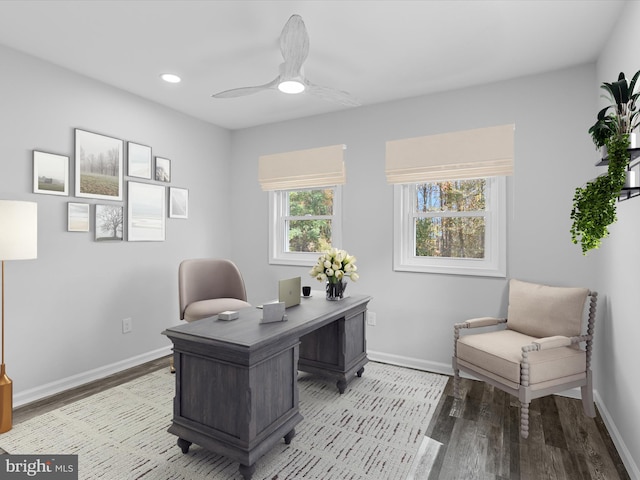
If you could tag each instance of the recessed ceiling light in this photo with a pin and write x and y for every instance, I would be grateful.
(291, 86)
(170, 78)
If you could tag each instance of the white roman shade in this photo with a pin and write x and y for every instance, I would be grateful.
(316, 167)
(483, 152)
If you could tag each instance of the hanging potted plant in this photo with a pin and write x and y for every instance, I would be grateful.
(594, 205)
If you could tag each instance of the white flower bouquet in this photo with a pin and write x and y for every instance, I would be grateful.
(334, 265)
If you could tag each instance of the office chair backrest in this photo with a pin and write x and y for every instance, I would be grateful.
(208, 278)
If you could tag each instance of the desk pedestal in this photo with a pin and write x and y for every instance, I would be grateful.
(239, 411)
(337, 350)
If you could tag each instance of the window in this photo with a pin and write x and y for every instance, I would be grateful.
(303, 223)
(455, 227)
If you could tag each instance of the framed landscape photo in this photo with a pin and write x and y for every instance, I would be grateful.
(178, 202)
(109, 222)
(146, 212)
(77, 217)
(163, 169)
(98, 166)
(50, 173)
(138, 160)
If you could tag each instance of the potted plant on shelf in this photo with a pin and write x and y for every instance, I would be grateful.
(594, 205)
(621, 116)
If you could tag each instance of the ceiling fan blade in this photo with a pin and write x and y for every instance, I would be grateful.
(242, 91)
(294, 46)
(332, 94)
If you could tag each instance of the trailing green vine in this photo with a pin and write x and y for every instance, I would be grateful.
(594, 205)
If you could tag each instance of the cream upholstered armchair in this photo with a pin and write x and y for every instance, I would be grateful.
(208, 286)
(539, 352)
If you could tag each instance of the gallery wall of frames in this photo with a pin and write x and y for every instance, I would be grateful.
(99, 174)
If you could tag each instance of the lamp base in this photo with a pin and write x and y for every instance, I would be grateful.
(6, 401)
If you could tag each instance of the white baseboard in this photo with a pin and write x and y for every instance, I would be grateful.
(632, 467)
(447, 369)
(434, 367)
(58, 386)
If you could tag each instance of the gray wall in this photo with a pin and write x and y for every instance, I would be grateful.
(619, 258)
(415, 312)
(64, 310)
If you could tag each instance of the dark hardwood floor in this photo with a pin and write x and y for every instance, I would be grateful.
(475, 438)
(478, 437)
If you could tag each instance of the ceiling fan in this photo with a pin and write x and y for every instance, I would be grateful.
(294, 46)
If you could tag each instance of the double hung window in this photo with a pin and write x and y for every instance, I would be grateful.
(450, 201)
(455, 227)
(304, 203)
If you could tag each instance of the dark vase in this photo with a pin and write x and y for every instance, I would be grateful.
(335, 291)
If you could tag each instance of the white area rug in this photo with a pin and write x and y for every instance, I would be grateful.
(373, 431)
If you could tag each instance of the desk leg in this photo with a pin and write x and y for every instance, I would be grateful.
(342, 385)
(247, 471)
(289, 436)
(184, 445)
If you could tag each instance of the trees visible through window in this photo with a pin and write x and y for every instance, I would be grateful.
(450, 219)
(455, 226)
(303, 223)
(308, 222)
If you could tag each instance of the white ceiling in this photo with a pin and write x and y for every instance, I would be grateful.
(376, 50)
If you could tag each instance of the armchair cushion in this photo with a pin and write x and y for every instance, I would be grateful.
(501, 352)
(543, 311)
(208, 308)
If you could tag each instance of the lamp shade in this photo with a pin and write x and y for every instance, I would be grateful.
(18, 230)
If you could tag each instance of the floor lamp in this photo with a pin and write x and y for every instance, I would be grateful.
(18, 241)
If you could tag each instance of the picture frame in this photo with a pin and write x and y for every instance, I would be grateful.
(98, 166)
(50, 173)
(77, 217)
(138, 160)
(163, 169)
(178, 202)
(109, 223)
(146, 212)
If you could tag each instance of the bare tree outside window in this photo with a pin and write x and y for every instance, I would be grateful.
(450, 219)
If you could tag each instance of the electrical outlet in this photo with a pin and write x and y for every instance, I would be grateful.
(371, 319)
(127, 325)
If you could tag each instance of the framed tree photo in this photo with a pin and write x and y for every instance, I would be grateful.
(138, 160)
(109, 222)
(163, 169)
(77, 217)
(178, 202)
(50, 173)
(98, 166)
(146, 212)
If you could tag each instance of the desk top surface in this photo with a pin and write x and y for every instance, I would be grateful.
(247, 331)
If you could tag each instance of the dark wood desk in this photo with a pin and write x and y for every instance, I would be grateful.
(236, 381)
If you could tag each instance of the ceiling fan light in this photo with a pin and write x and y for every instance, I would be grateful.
(291, 86)
(170, 78)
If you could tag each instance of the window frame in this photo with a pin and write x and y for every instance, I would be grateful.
(494, 263)
(278, 221)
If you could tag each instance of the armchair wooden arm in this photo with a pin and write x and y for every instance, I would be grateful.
(473, 323)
